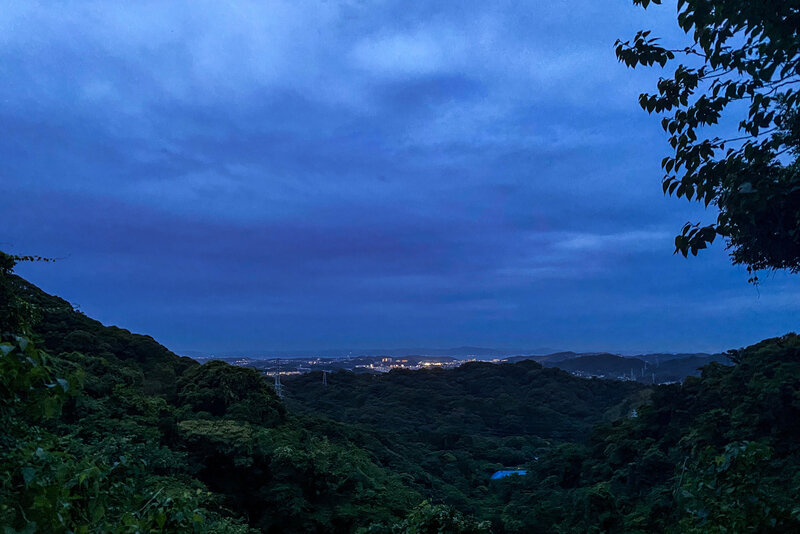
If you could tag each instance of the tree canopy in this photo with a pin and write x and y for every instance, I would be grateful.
(743, 65)
(108, 431)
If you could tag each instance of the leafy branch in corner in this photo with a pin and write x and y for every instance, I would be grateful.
(744, 63)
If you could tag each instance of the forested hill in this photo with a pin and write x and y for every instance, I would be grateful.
(64, 330)
(125, 436)
(107, 431)
(716, 454)
(475, 399)
(448, 430)
(109, 428)
(642, 369)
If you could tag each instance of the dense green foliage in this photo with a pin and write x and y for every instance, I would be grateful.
(743, 65)
(534, 401)
(717, 454)
(447, 431)
(52, 480)
(140, 439)
(111, 432)
(108, 431)
(96, 439)
(430, 519)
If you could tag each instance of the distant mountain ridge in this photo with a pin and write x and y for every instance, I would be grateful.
(456, 352)
(541, 354)
(650, 368)
(654, 368)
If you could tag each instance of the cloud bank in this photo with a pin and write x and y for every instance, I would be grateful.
(257, 175)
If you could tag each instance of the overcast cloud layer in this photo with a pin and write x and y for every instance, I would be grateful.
(283, 175)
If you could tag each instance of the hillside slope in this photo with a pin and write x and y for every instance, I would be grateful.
(448, 430)
(108, 431)
(64, 330)
(716, 454)
(111, 432)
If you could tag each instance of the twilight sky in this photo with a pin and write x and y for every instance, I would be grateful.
(304, 175)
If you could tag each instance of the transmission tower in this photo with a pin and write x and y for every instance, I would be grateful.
(278, 386)
(324, 378)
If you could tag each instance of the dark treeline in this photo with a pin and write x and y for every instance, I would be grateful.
(647, 371)
(124, 435)
(104, 431)
(447, 431)
(108, 431)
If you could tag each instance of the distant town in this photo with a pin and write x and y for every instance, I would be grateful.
(649, 368)
(356, 364)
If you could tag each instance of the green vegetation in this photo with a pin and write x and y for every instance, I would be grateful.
(447, 431)
(743, 65)
(717, 454)
(108, 431)
(97, 439)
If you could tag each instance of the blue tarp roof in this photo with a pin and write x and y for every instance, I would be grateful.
(503, 474)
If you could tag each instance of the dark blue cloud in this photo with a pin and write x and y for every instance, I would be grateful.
(299, 175)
